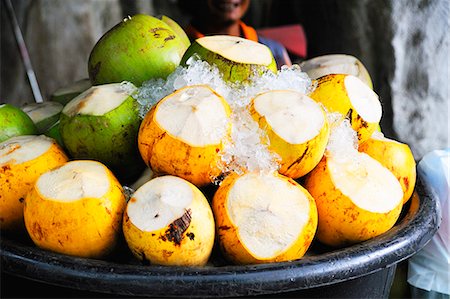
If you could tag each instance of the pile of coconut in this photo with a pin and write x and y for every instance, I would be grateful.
(293, 155)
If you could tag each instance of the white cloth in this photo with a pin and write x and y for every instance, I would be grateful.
(429, 269)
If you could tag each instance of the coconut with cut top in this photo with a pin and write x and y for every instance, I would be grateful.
(22, 160)
(236, 58)
(44, 115)
(102, 124)
(352, 98)
(76, 209)
(296, 126)
(320, 66)
(263, 218)
(168, 221)
(357, 198)
(184, 134)
(395, 156)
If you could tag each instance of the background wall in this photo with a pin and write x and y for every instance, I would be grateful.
(403, 43)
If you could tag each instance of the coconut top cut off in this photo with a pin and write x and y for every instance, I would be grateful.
(371, 186)
(21, 149)
(293, 116)
(364, 99)
(237, 49)
(98, 100)
(270, 212)
(159, 202)
(75, 180)
(195, 114)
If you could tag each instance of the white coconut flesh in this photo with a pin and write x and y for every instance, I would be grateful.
(159, 202)
(368, 184)
(237, 49)
(98, 100)
(73, 181)
(293, 116)
(21, 149)
(332, 64)
(196, 115)
(380, 136)
(269, 213)
(41, 111)
(363, 99)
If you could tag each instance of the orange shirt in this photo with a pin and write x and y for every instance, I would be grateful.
(247, 32)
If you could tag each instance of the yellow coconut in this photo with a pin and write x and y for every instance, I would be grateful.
(357, 198)
(168, 221)
(22, 160)
(262, 218)
(184, 134)
(395, 156)
(319, 66)
(352, 98)
(76, 209)
(296, 126)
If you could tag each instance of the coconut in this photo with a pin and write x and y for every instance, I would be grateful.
(168, 221)
(184, 134)
(15, 122)
(296, 126)
(66, 93)
(22, 160)
(102, 124)
(348, 95)
(357, 198)
(177, 29)
(137, 49)
(44, 115)
(76, 209)
(263, 218)
(336, 64)
(395, 156)
(236, 58)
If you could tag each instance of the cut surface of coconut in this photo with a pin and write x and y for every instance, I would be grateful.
(237, 49)
(364, 99)
(159, 202)
(195, 114)
(39, 111)
(269, 213)
(294, 117)
(24, 148)
(74, 180)
(366, 182)
(331, 64)
(98, 100)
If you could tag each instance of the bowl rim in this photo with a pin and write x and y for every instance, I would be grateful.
(412, 232)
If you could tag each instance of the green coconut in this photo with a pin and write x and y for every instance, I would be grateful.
(15, 122)
(102, 124)
(177, 29)
(44, 115)
(336, 64)
(236, 58)
(54, 133)
(137, 49)
(65, 94)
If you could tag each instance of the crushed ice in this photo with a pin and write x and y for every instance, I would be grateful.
(244, 151)
(343, 141)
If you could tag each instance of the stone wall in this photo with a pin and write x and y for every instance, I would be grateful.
(403, 43)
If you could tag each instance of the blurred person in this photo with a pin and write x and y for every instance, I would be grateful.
(214, 17)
